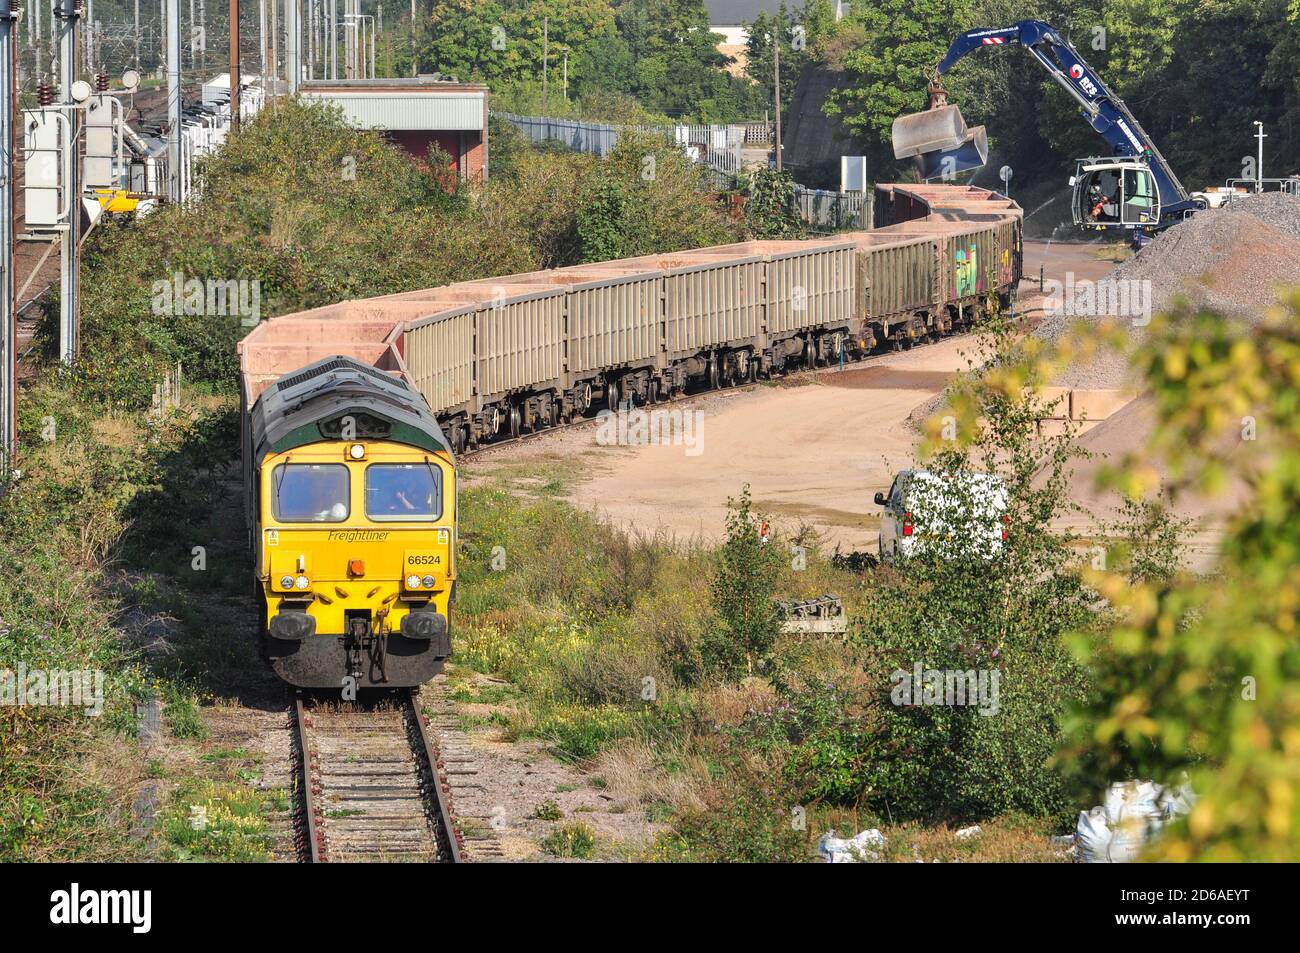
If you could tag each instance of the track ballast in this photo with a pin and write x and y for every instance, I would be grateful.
(371, 784)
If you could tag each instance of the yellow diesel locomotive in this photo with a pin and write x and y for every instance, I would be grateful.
(350, 490)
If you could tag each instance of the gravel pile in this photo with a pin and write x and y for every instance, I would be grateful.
(1276, 208)
(1231, 259)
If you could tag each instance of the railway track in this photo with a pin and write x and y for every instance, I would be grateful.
(371, 782)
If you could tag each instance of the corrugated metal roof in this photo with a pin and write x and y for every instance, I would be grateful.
(444, 110)
(736, 12)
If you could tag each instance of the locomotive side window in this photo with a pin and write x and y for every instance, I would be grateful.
(402, 491)
(310, 493)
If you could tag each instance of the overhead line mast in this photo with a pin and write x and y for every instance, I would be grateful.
(69, 14)
(8, 315)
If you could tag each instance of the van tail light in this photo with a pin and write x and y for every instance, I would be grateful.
(1006, 521)
(907, 524)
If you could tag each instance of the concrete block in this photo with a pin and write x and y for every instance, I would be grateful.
(1097, 404)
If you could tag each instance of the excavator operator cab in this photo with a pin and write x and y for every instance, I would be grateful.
(1115, 193)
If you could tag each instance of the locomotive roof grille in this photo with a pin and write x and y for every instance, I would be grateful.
(335, 364)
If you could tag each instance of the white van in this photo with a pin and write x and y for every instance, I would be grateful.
(966, 513)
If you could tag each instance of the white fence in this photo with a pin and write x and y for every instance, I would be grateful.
(716, 147)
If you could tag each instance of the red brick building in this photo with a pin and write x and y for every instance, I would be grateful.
(416, 114)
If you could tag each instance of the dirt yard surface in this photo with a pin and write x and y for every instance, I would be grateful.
(813, 449)
(813, 453)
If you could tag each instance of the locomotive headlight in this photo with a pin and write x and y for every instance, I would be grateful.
(429, 582)
(357, 451)
(412, 582)
(302, 582)
(286, 582)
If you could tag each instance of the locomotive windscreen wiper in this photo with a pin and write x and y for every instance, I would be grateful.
(279, 481)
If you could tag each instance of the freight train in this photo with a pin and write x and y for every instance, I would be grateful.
(408, 381)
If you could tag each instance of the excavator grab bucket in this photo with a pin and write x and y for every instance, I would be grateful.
(933, 130)
(971, 153)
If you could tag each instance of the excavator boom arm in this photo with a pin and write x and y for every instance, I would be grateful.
(1103, 110)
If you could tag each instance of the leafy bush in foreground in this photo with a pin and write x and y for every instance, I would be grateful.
(1199, 679)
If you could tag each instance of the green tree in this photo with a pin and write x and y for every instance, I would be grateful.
(769, 205)
(661, 51)
(502, 40)
(605, 65)
(955, 611)
(901, 41)
(799, 31)
(679, 70)
(602, 216)
(457, 40)
(743, 588)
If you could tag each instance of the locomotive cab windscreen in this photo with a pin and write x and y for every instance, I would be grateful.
(1114, 194)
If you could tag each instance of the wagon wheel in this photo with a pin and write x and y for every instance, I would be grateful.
(611, 395)
(555, 413)
(516, 421)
